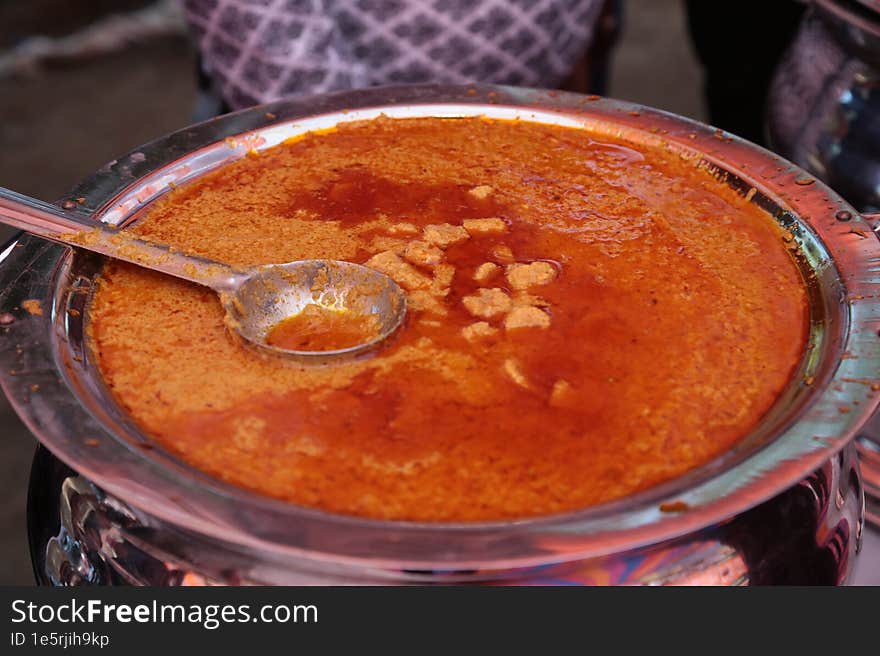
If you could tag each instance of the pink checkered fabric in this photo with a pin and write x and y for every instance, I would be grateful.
(262, 50)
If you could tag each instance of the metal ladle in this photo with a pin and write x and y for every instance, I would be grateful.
(255, 299)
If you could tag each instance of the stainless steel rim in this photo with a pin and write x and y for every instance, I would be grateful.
(47, 374)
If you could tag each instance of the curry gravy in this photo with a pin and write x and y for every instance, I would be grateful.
(586, 319)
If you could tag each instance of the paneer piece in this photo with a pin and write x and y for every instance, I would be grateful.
(403, 229)
(422, 300)
(402, 273)
(490, 226)
(444, 234)
(512, 369)
(477, 331)
(381, 243)
(422, 253)
(481, 191)
(443, 275)
(523, 276)
(522, 299)
(487, 303)
(562, 395)
(485, 271)
(526, 317)
(502, 253)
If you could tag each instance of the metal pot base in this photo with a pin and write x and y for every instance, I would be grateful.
(808, 535)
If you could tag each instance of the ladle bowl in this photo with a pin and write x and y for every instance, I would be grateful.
(255, 299)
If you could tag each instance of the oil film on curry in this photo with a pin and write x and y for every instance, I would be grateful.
(587, 319)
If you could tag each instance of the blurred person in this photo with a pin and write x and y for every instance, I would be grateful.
(257, 51)
(739, 46)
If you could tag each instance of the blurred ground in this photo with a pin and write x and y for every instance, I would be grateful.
(67, 121)
(654, 63)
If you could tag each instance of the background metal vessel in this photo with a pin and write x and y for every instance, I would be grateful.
(824, 115)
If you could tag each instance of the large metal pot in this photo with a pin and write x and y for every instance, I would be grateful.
(785, 505)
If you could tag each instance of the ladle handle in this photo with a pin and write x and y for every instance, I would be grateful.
(77, 230)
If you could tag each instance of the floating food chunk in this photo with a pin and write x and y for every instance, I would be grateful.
(485, 271)
(523, 276)
(514, 371)
(487, 303)
(481, 191)
(403, 229)
(502, 253)
(526, 317)
(381, 243)
(490, 226)
(444, 234)
(389, 263)
(477, 331)
(422, 253)
(443, 275)
(424, 301)
(562, 394)
(523, 299)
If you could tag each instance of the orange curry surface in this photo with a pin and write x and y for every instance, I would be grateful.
(586, 319)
